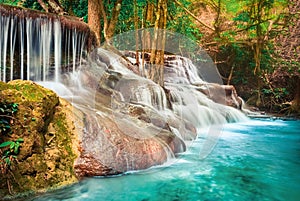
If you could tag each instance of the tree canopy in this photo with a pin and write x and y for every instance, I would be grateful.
(255, 43)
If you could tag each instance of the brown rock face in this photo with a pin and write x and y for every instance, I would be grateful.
(46, 157)
(114, 142)
(63, 143)
(223, 94)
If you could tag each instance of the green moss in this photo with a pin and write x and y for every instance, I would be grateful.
(45, 161)
(63, 134)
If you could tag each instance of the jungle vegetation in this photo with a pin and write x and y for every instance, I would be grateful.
(254, 43)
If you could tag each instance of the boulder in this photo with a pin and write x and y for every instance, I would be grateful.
(64, 143)
(47, 155)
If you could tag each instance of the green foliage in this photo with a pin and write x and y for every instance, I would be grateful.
(78, 8)
(276, 93)
(126, 17)
(6, 112)
(243, 17)
(33, 4)
(266, 60)
(9, 2)
(181, 22)
(11, 152)
(227, 35)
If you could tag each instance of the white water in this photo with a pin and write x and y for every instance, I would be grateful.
(57, 49)
(182, 71)
(31, 49)
(4, 45)
(187, 102)
(12, 46)
(47, 52)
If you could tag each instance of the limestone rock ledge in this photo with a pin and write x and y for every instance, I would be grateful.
(63, 143)
(47, 155)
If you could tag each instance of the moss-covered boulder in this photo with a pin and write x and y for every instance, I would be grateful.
(46, 157)
(63, 144)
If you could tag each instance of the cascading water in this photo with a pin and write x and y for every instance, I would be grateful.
(130, 123)
(122, 110)
(37, 47)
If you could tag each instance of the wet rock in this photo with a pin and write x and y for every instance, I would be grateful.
(223, 94)
(65, 143)
(116, 142)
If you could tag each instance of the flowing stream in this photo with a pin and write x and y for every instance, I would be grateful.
(251, 160)
(254, 160)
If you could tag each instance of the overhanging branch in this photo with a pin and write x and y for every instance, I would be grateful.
(193, 16)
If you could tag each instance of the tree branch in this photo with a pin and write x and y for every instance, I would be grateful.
(105, 21)
(193, 16)
(53, 6)
(43, 5)
(252, 25)
(114, 20)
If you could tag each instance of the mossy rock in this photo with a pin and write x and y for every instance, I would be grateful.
(46, 157)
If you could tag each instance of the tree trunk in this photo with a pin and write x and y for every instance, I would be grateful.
(296, 101)
(94, 17)
(158, 44)
(52, 7)
(56, 7)
(149, 20)
(217, 20)
(110, 31)
(136, 27)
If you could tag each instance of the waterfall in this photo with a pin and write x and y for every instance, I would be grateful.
(185, 90)
(181, 70)
(121, 108)
(37, 46)
(57, 49)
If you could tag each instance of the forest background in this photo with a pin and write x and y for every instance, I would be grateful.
(254, 43)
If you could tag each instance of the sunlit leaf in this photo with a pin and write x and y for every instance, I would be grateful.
(20, 140)
(12, 145)
(4, 144)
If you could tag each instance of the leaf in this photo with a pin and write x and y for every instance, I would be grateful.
(20, 140)
(4, 144)
(12, 145)
(243, 17)
(16, 149)
(7, 161)
(6, 153)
